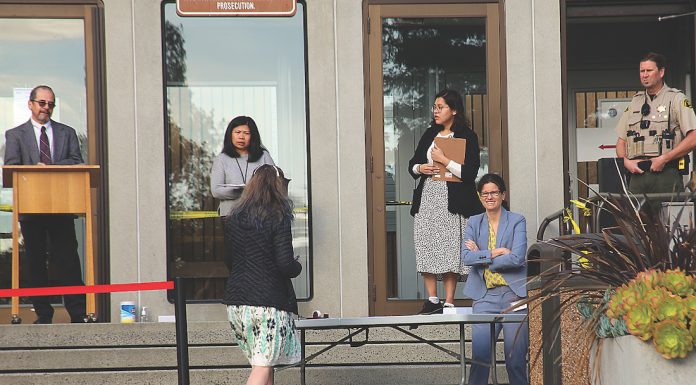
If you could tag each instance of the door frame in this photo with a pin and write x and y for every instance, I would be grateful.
(379, 304)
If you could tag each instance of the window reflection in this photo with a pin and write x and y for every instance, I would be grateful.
(216, 69)
(28, 51)
(421, 56)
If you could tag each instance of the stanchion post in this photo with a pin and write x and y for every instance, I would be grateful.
(182, 358)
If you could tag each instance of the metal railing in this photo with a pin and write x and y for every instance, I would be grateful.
(562, 225)
(596, 204)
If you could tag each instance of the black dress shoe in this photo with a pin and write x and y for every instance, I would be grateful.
(43, 321)
(431, 308)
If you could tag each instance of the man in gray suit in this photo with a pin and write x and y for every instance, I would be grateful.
(43, 141)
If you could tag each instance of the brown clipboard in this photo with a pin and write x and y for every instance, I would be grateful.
(454, 149)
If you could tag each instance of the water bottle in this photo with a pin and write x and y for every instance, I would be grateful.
(128, 311)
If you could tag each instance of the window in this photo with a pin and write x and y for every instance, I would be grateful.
(217, 68)
(35, 34)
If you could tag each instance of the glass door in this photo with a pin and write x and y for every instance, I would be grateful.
(414, 52)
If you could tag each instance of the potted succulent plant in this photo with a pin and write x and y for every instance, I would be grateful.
(634, 284)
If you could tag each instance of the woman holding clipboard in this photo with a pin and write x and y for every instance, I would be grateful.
(242, 153)
(441, 208)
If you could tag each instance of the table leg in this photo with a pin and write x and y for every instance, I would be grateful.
(493, 365)
(303, 364)
(462, 353)
(15, 248)
(89, 253)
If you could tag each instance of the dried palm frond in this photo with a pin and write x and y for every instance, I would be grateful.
(639, 241)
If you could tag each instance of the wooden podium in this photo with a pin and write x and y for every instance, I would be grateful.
(51, 189)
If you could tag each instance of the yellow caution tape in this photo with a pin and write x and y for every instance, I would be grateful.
(179, 215)
(584, 262)
(192, 214)
(586, 211)
(568, 217)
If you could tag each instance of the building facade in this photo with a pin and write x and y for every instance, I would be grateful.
(340, 90)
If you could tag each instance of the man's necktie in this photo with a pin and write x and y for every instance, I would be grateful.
(44, 148)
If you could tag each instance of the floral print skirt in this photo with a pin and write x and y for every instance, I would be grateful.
(266, 335)
(437, 234)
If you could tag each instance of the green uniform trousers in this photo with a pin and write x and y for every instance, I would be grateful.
(667, 181)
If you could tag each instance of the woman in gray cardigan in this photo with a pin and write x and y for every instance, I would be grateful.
(242, 153)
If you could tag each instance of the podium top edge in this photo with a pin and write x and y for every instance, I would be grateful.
(53, 167)
(92, 170)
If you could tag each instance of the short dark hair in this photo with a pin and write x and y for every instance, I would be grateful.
(491, 178)
(255, 146)
(659, 59)
(455, 102)
(496, 180)
(32, 94)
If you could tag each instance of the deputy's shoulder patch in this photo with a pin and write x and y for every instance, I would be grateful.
(687, 103)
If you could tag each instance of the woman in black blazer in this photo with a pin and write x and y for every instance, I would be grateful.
(260, 299)
(440, 209)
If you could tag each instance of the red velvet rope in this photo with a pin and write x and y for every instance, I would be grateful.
(62, 290)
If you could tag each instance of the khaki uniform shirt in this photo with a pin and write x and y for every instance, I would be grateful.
(671, 117)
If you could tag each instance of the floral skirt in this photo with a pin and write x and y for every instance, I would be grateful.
(437, 234)
(266, 335)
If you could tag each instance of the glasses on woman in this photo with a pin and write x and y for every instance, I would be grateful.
(436, 108)
(492, 194)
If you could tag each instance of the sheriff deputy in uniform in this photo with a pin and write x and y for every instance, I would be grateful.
(656, 132)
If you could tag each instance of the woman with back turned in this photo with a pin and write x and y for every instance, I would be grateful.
(260, 299)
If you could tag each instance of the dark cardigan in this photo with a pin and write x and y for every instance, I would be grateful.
(261, 264)
(461, 197)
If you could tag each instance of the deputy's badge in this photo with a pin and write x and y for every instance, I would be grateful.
(626, 109)
(661, 109)
(687, 103)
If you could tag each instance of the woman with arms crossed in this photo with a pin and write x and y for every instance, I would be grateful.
(495, 246)
(440, 208)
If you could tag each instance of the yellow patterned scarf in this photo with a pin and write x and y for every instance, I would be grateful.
(492, 279)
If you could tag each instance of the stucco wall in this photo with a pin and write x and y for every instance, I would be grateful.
(535, 146)
(337, 150)
(137, 220)
(135, 150)
(137, 216)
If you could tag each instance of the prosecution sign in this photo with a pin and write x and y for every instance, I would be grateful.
(236, 8)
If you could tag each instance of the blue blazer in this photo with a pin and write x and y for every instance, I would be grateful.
(512, 233)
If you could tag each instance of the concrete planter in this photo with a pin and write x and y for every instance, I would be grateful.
(629, 361)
